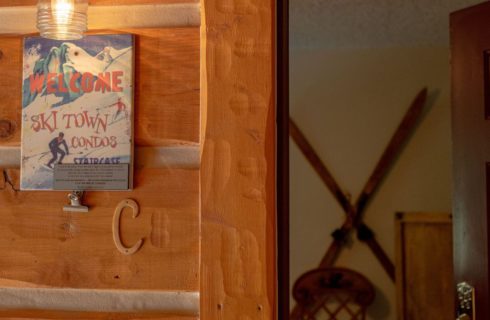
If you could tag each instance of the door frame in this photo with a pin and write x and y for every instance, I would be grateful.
(244, 167)
(283, 157)
(471, 170)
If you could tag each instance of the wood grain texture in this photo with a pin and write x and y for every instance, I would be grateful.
(166, 86)
(48, 315)
(424, 262)
(13, 3)
(11, 87)
(238, 268)
(470, 39)
(43, 245)
(22, 20)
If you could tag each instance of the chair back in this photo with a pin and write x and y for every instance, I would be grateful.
(332, 294)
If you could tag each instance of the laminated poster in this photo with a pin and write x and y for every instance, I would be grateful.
(77, 113)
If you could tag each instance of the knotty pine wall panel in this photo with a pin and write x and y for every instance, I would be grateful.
(166, 86)
(14, 3)
(44, 315)
(42, 246)
(238, 269)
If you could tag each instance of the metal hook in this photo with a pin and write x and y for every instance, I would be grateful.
(75, 203)
(115, 227)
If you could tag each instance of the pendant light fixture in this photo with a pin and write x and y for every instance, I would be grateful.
(62, 19)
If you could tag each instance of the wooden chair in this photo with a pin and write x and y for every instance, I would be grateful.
(332, 294)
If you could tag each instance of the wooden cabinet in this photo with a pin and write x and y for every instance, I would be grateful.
(424, 266)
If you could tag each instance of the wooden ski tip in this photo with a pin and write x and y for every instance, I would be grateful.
(422, 95)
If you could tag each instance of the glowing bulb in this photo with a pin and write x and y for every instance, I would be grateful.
(62, 19)
(62, 11)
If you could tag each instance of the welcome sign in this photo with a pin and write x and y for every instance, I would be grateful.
(77, 111)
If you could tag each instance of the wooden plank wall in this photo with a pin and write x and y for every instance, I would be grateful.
(43, 246)
(13, 3)
(238, 166)
(45, 315)
(238, 269)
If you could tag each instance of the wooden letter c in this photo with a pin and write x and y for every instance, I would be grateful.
(115, 227)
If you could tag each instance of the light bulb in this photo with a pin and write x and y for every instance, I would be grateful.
(62, 11)
(62, 19)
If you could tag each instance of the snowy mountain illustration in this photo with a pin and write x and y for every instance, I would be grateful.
(77, 105)
(69, 59)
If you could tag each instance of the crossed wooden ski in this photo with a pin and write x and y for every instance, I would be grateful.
(354, 212)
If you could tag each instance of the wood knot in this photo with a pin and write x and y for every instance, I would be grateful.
(7, 129)
(1, 54)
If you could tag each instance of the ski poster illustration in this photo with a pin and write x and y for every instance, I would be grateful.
(77, 109)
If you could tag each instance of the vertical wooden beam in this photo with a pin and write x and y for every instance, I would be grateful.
(238, 248)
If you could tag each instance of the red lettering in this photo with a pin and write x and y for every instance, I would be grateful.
(36, 125)
(73, 83)
(103, 82)
(61, 84)
(36, 82)
(55, 82)
(79, 120)
(69, 116)
(116, 81)
(93, 142)
(74, 142)
(50, 82)
(87, 82)
(113, 142)
(41, 122)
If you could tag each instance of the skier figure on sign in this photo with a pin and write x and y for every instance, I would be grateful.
(121, 107)
(54, 147)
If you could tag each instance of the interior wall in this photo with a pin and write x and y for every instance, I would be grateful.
(349, 104)
(355, 68)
